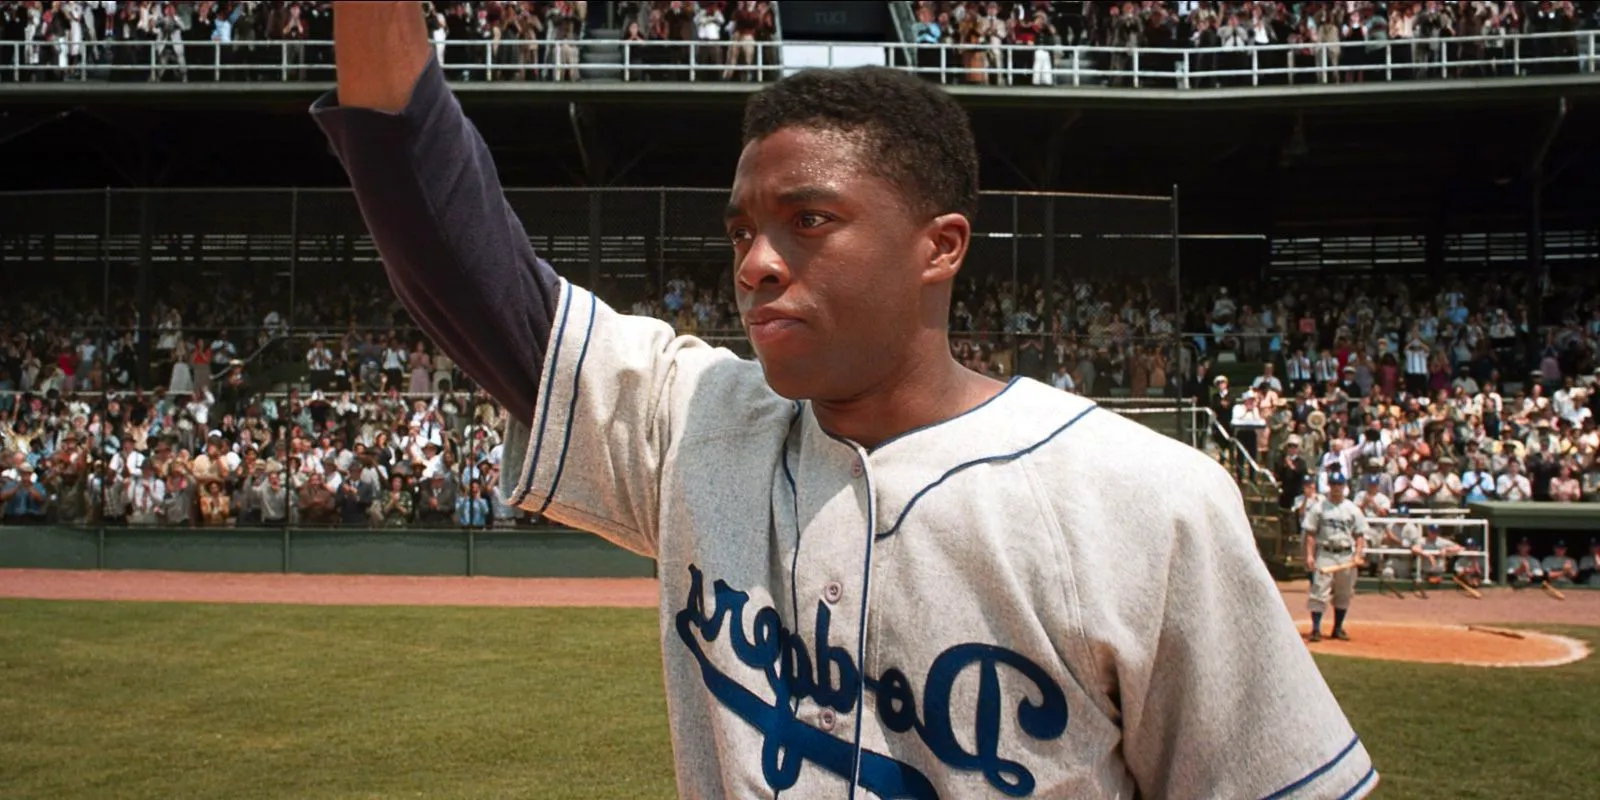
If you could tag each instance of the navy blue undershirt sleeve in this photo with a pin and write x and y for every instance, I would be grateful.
(456, 254)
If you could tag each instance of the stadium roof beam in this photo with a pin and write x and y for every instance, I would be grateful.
(13, 127)
(1552, 130)
(591, 151)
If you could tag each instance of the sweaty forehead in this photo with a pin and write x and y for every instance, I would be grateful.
(798, 164)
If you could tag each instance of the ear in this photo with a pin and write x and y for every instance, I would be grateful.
(948, 236)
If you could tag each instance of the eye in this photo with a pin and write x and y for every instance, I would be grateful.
(811, 219)
(739, 235)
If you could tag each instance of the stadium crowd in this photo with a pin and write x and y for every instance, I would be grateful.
(1403, 388)
(1355, 35)
(274, 40)
(262, 40)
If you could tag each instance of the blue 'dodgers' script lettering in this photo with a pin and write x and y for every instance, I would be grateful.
(829, 676)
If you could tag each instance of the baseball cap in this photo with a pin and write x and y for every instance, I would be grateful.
(1433, 529)
(1337, 478)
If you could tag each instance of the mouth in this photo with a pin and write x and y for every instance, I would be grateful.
(768, 326)
(770, 331)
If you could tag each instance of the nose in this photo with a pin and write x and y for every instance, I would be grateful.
(761, 266)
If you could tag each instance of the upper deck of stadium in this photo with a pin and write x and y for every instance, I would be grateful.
(1349, 114)
(1147, 52)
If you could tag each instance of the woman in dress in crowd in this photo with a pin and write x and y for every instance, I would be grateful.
(1439, 374)
(182, 378)
(1157, 368)
(1388, 374)
(1566, 488)
(200, 364)
(420, 364)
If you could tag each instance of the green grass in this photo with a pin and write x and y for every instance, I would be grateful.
(165, 700)
(1438, 731)
(170, 700)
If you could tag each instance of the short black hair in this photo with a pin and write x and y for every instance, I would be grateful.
(916, 136)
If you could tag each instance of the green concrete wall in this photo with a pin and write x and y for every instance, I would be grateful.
(544, 553)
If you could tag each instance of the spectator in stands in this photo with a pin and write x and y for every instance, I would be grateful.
(1248, 423)
(472, 509)
(22, 496)
(1291, 473)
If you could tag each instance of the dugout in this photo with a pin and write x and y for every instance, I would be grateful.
(1542, 523)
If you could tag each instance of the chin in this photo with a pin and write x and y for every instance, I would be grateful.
(793, 381)
(788, 384)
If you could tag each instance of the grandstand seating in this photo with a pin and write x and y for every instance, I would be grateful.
(1167, 44)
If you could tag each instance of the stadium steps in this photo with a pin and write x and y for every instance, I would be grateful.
(600, 59)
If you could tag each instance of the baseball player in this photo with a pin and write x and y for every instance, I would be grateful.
(1589, 565)
(882, 575)
(1435, 553)
(1522, 567)
(1400, 534)
(1559, 567)
(1468, 567)
(1336, 536)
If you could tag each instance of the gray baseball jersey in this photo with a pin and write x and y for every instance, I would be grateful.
(1336, 525)
(1438, 545)
(1035, 599)
(1558, 565)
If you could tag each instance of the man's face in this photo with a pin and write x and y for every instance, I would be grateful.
(1336, 492)
(835, 277)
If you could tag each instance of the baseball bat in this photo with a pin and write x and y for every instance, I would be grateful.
(1385, 586)
(1340, 567)
(1552, 591)
(1465, 587)
(1509, 634)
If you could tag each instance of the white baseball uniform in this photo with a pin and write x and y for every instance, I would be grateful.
(1035, 599)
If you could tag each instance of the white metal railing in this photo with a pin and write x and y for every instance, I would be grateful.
(696, 61)
(1444, 518)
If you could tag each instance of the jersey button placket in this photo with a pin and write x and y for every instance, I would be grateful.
(832, 592)
(856, 468)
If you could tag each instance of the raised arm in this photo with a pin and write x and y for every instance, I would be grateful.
(455, 254)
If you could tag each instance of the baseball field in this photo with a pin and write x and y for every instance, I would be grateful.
(292, 686)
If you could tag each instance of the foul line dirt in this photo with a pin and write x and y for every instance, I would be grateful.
(1439, 628)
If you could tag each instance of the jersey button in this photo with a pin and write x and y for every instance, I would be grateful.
(832, 592)
(827, 719)
(856, 469)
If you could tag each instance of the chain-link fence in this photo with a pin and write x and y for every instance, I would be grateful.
(129, 307)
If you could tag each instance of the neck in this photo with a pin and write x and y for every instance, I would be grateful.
(933, 389)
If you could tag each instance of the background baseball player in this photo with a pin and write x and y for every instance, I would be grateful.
(1435, 552)
(882, 574)
(1589, 565)
(1559, 567)
(1522, 568)
(1469, 568)
(1336, 536)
